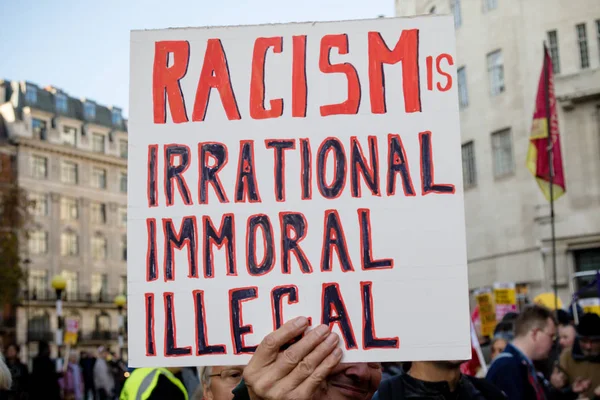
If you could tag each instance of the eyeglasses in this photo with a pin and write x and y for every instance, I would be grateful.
(551, 336)
(232, 376)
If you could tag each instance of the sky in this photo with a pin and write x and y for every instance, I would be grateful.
(82, 47)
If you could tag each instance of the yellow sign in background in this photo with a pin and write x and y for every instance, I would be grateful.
(487, 313)
(590, 305)
(505, 297)
(72, 327)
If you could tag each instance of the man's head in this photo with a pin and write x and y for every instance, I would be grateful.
(73, 357)
(566, 329)
(535, 328)
(498, 345)
(352, 381)
(12, 351)
(566, 335)
(588, 334)
(216, 383)
(102, 352)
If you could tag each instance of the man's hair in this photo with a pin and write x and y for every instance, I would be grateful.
(533, 317)
(204, 377)
(564, 319)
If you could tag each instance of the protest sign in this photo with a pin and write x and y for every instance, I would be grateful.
(487, 314)
(309, 169)
(71, 331)
(505, 297)
(590, 305)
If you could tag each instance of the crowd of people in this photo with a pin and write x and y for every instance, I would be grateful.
(84, 376)
(537, 354)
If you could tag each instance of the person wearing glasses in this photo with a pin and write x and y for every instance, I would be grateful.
(217, 383)
(512, 371)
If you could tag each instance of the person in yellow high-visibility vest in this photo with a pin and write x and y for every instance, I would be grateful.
(154, 383)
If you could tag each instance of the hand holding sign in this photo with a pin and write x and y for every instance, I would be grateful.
(296, 372)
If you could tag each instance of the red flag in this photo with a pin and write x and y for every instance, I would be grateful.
(538, 161)
(477, 360)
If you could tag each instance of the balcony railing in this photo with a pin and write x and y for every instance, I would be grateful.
(50, 295)
(36, 335)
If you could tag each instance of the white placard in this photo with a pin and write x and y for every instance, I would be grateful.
(301, 169)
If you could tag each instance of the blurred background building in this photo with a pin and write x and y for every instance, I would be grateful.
(70, 156)
(499, 61)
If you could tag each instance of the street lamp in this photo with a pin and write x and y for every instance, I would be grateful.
(59, 283)
(120, 302)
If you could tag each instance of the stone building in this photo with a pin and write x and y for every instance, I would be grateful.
(499, 61)
(71, 158)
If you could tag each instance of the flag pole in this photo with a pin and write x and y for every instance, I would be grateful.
(550, 150)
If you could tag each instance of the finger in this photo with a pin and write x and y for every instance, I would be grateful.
(312, 360)
(289, 359)
(313, 382)
(268, 349)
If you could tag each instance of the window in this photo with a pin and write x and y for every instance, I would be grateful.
(122, 216)
(468, 165)
(123, 285)
(463, 94)
(61, 102)
(99, 178)
(39, 167)
(553, 42)
(495, 66)
(489, 5)
(69, 210)
(584, 58)
(30, 94)
(39, 204)
(68, 172)
(72, 289)
(38, 242)
(100, 286)
(69, 244)
(69, 136)
(124, 247)
(502, 153)
(98, 213)
(89, 110)
(123, 148)
(457, 13)
(123, 182)
(116, 116)
(587, 260)
(98, 143)
(39, 128)
(38, 282)
(99, 247)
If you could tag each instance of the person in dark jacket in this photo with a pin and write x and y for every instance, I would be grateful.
(436, 380)
(87, 362)
(19, 373)
(44, 376)
(513, 371)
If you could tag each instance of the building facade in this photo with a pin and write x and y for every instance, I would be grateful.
(71, 158)
(499, 61)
